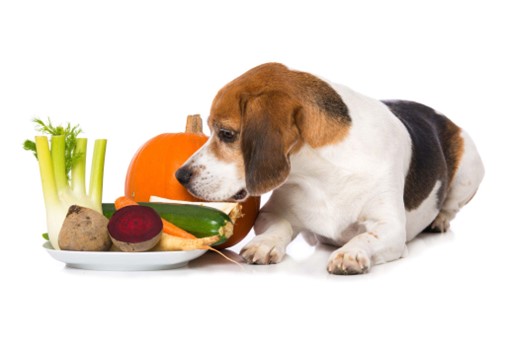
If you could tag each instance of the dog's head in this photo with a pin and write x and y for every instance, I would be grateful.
(256, 122)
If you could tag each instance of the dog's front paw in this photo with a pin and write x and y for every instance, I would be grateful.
(349, 262)
(263, 251)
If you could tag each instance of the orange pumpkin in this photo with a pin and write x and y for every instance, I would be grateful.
(152, 172)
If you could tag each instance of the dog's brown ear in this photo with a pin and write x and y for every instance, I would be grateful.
(268, 133)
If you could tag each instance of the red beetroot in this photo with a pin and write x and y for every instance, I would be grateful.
(135, 228)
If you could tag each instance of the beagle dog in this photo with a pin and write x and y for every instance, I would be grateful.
(364, 175)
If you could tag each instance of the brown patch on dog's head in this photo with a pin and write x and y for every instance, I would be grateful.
(268, 113)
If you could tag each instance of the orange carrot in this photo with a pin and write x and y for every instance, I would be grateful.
(123, 202)
(168, 228)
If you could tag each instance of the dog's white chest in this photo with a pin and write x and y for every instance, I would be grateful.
(324, 201)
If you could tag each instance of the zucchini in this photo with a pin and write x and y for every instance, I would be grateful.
(108, 210)
(201, 221)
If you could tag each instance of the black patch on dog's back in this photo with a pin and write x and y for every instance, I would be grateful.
(434, 150)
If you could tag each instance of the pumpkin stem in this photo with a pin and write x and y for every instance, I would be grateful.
(194, 124)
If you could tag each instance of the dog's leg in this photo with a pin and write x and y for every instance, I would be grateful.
(273, 235)
(381, 243)
(463, 187)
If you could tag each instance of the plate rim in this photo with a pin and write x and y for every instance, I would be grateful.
(127, 261)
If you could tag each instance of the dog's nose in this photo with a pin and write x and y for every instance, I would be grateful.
(183, 175)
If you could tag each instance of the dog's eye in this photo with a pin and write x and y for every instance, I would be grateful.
(228, 136)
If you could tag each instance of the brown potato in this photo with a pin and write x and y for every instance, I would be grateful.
(84, 229)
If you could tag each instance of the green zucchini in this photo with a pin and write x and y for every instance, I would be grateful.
(201, 221)
(108, 210)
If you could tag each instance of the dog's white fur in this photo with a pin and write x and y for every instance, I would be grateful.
(219, 180)
(350, 200)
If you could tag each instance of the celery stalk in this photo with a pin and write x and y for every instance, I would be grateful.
(58, 158)
(46, 170)
(97, 172)
(78, 169)
(55, 210)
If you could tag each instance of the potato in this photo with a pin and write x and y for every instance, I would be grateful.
(84, 229)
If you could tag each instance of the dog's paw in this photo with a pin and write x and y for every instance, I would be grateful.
(349, 262)
(441, 224)
(263, 251)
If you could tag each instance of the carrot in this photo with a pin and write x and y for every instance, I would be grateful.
(168, 228)
(124, 201)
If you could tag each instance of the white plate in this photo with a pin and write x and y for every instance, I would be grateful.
(122, 260)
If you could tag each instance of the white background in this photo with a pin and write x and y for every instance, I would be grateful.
(129, 70)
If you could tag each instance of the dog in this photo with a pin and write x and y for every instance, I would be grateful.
(362, 174)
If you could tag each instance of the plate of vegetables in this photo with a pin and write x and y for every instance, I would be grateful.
(85, 233)
(130, 236)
